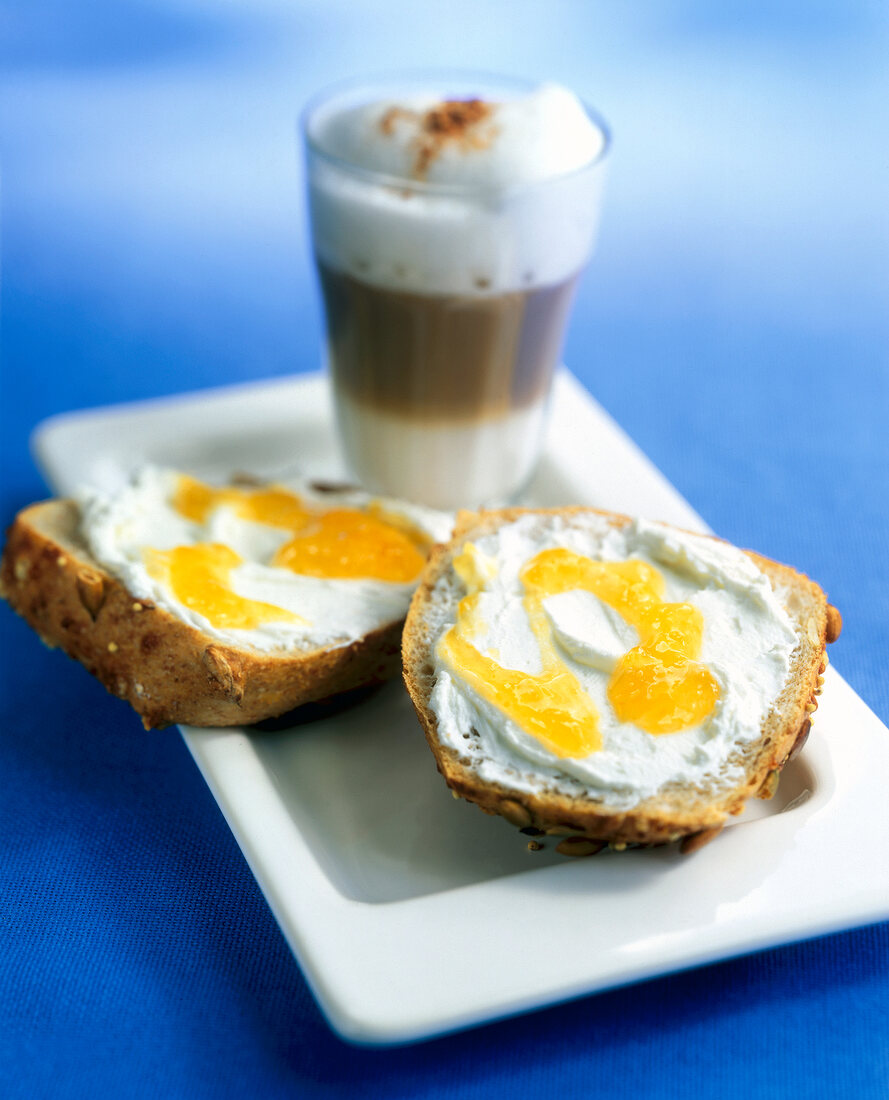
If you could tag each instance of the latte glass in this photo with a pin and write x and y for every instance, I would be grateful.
(445, 303)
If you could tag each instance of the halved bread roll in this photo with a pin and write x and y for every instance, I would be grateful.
(120, 618)
(565, 692)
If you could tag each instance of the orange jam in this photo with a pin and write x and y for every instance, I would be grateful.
(200, 578)
(336, 544)
(275, 507)
(657, 685)
(344, 544)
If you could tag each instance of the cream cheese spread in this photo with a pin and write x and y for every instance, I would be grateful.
(748, 641)
(120, 527)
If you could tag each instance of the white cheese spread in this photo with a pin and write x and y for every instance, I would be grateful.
(748, 640)
(119, 528)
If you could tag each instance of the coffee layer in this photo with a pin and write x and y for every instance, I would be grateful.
(443, 356)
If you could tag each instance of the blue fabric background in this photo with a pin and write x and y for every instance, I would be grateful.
(735, 322)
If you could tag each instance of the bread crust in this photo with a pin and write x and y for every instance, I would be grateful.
(674, 813)
(167, 670)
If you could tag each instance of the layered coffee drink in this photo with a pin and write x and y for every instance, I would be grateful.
(449, 235)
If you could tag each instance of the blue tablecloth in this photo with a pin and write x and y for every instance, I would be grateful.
(735, 321)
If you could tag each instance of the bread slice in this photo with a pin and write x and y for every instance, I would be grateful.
(587, 821)
(167, 670)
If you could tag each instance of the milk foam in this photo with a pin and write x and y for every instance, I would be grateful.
(509, 211)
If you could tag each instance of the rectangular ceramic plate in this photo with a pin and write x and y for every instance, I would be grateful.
(412, 914)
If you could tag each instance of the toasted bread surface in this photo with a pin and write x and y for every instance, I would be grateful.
(675, 811)
(166, 669)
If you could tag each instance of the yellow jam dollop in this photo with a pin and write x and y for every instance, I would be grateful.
(657, 685)
(552, 705)
(346, 544)
(200, 578)
(336, 544)
(275, 507)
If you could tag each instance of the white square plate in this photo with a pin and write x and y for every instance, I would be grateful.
(412, 914)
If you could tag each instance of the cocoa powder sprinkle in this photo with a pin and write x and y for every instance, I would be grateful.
(454, 117)
(453, 120)
(387, 122)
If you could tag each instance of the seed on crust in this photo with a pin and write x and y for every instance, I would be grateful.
(91, 590)
(579, 846)
(697, 840)
(801, 739)
(834, 623)
(811, 706)
(770, 784)
(331, 486)
(223, 672)
(21, 568)
(534, 845)
(112, 647)
(515, 813)
(245, 479)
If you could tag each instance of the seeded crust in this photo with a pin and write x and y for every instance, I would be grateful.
(693, 815)
(168, 671)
